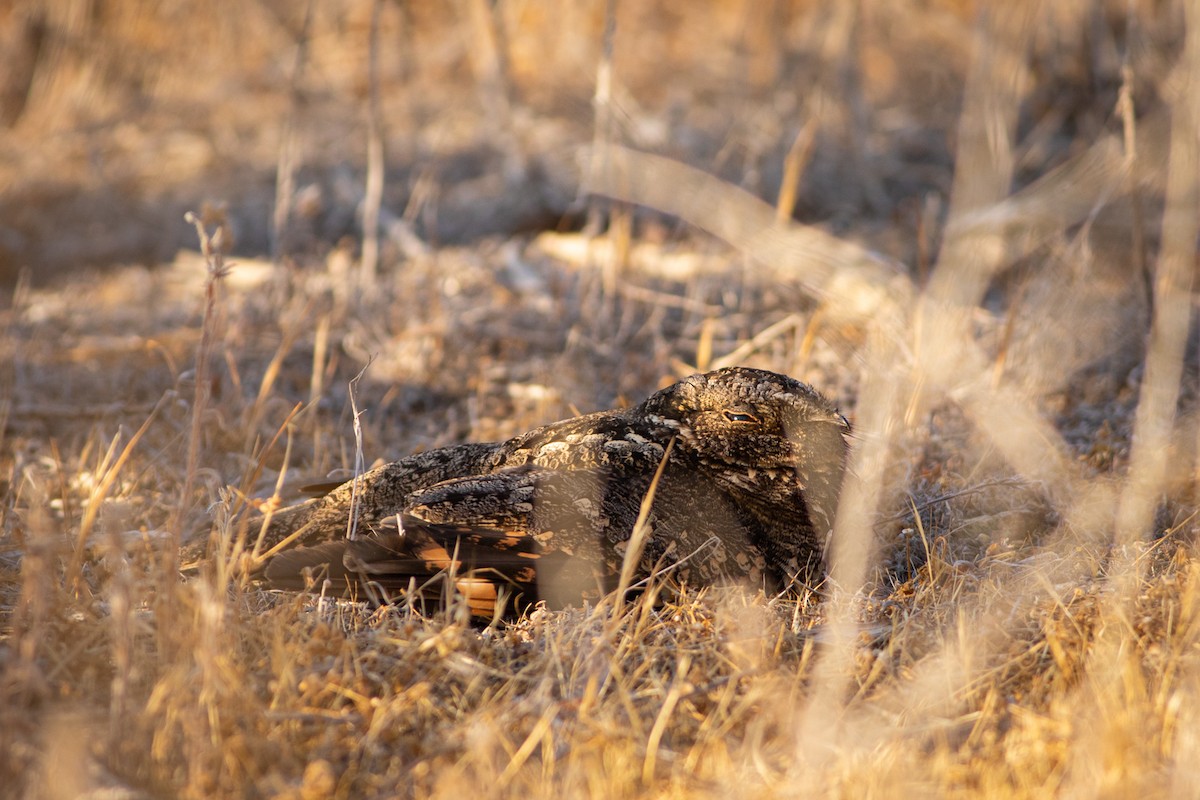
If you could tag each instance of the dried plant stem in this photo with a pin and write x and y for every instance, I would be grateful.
(1128, 114)
(285, 171)
(373, 195)
(794, 165)
(317, 381)
(109, 477)
(851, 550)
(664, 717)
(768, 334)
(602, 122)
(287, 459)
(535, 737)
(37, 588)
(121, 598)
(260, 461)
(290, 334)
(641, 533)
(359, 461)
(211, 249)
(8, 364)
(984, 159)
(1159, 395)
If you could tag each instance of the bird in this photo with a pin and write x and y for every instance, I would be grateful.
(730, 476)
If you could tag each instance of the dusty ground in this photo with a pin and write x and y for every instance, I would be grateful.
(980, 237)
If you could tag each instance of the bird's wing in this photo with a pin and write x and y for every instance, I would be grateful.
(529, 532)
(613, 441)
(602, 442)
(376, 495)
(546, 533)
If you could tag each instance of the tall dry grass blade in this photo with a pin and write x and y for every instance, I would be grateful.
(121, 597)
(1129, 125)
(851, 550)
(704, 346)
(373, 192)
(316, 385)
(983, 162)
(291, 334)
(36, 595)
(107, 478)
(794, 164)
(654, 741)
(641, 532)
(250, 478)
(535, 738)
(1154, 429)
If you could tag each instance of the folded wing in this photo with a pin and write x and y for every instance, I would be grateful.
(524, 533)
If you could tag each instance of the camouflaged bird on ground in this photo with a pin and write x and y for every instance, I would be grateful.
(751, 465)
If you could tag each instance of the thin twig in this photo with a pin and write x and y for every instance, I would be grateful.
(359, 461)
(211, 249)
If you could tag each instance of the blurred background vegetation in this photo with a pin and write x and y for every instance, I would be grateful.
(115, 117)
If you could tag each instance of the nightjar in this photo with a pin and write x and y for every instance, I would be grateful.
(751, 465)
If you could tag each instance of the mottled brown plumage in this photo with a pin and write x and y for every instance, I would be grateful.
(747, 493)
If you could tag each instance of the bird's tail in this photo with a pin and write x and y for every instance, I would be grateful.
(387, 569)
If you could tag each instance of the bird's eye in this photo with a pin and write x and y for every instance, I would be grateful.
(740, 416)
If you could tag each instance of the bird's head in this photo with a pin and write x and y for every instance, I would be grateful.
(749, 418)
(759, 432)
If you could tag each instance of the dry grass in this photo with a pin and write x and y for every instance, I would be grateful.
(999, 296)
